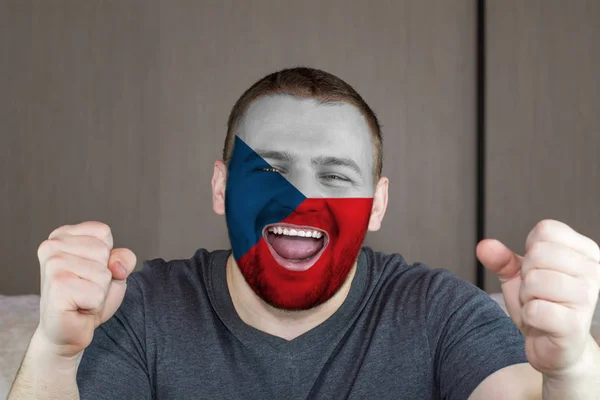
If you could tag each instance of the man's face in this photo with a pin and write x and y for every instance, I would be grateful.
(299, 197)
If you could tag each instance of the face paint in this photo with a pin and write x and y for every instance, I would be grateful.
(266, 218)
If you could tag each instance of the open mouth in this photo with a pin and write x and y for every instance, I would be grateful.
(296, 248)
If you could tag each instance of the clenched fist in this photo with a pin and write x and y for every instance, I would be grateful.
(551, 293)
(82, 284)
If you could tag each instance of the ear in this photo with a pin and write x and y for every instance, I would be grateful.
(219, 182)
(380, 199)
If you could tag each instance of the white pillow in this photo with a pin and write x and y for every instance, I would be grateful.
(19, 316)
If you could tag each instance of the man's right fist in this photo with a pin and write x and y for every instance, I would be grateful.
(82, 284)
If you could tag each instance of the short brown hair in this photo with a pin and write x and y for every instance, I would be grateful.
(312, 83)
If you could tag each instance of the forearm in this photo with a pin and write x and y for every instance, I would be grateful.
(45, 376)
(582, 385)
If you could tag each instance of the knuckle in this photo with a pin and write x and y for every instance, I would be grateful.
(543, 227)
(99, 230)
(531, 277)
(55, 261)
(105, 277)
(96, 297)
(102, 230)
(545, 224)
(57, 231)
(56, 284)
(46, 247)
(104, 252)
(571, 254)
(537, 249)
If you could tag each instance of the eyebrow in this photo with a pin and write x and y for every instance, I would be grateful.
(275, 155)
(338, 162)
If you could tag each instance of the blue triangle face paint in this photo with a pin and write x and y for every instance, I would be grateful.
(255, 197)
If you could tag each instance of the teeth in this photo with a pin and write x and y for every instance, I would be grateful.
(295, 232)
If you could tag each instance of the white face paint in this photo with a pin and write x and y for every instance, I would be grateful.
(324, 150)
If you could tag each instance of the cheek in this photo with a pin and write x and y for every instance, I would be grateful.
(246, 200)
(351, 215)
(239, 207)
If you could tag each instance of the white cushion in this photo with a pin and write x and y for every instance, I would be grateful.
(19, 316)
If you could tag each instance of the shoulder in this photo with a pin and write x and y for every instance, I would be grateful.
(393, 269)
(434, 291)
(160, 277)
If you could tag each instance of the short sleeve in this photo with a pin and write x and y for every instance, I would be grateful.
(470, 336)
(114, 365)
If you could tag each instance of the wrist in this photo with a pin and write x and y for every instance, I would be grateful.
(582, 381)
(45, 354)
(46, 374)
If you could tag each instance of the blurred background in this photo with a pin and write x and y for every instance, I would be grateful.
(116, 111)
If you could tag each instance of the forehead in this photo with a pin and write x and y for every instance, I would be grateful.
(304, 127)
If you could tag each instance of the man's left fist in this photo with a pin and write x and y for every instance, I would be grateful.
(550, 293)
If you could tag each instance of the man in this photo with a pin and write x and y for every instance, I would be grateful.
(298, 309)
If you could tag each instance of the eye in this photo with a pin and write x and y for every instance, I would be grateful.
(332, 177)
(269, 169)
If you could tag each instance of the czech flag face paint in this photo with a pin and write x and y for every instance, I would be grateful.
(295, 236)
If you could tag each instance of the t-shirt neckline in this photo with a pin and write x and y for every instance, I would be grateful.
(250, 336)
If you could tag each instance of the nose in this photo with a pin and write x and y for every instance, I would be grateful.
(291, 202)
(308, 185)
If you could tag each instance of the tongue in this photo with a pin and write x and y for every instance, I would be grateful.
(295, 247)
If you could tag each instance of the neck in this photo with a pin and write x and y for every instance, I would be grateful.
(282, 323)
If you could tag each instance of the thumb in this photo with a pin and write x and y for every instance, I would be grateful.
(499, 259)
(506, 265)
(121, 263)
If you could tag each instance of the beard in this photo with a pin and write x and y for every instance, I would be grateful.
(345, 220)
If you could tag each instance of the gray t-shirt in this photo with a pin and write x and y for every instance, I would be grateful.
(404, 332)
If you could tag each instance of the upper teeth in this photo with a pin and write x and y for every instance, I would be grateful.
(295, 232)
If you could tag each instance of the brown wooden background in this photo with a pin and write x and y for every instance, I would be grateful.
(116, 111)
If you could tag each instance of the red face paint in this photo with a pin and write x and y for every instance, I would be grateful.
(345, 220)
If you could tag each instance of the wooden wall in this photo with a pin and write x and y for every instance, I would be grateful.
(116, 111)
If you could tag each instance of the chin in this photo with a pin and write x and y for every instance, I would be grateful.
(295, 290)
